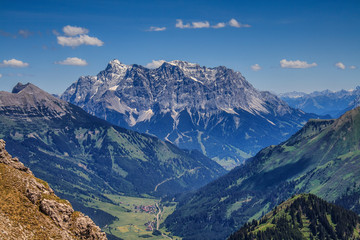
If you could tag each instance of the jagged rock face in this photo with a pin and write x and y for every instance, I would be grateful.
(173, 87)
(214, 110)
(6, 158)
(29, 208)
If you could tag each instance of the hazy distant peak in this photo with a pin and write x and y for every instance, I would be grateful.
(325, 102)
(293, 94)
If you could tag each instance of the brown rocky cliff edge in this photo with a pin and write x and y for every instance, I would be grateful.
(29, 208)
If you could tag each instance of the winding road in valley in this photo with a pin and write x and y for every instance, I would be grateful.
(179, 176)
(158, 215)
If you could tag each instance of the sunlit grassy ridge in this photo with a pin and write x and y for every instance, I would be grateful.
(303, 216)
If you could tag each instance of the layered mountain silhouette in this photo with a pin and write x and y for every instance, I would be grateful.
(322, 158)
(325, 102)
(84, 157)
(214, 110)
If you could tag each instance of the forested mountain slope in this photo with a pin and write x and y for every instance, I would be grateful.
(323, 158)
(303, 217)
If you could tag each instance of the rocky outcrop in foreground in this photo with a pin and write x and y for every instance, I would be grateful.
(29, 208)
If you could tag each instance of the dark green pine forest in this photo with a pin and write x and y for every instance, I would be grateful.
(302, 217)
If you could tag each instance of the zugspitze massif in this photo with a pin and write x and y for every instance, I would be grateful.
(215, 110)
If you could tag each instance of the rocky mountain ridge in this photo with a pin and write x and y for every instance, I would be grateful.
(214, 110)
(333, 103)
(30, 209)
(33, 100)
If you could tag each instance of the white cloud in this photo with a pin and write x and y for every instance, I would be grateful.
(352, 67)
(156, 29)
(234, 23)
(7, 34)
(180, 24)
(18, 75)
(73, 31)
(13, 63)
(204, 24)
(219, 25)
(25, 33)
(56, 33)
(74, 61)
(0, 75)
(296, 64)
(256, 67)
(340, 65)
(79, 40)
(155, 63)
(76, 36)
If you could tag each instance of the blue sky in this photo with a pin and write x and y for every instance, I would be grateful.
(277, 45)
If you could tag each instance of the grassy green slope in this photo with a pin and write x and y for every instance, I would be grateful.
(303, 217)
(323, 158)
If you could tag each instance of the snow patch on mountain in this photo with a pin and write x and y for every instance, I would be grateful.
(178, 99)
(333, 103)
(113, 88)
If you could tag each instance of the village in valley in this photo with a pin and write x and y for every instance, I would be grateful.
(150, 209)
(137, 217)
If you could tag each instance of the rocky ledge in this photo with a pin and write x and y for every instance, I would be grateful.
(29, 208)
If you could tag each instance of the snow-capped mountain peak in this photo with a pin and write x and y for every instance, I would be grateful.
(178, 101)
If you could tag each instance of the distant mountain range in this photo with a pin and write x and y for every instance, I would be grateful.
(214, 110)
(322, 158)
(29, 209)
(303, 216)
(325, 102)
(84, 157)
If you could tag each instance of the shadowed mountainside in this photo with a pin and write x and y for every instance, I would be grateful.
(323, 158)
(83, 157)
